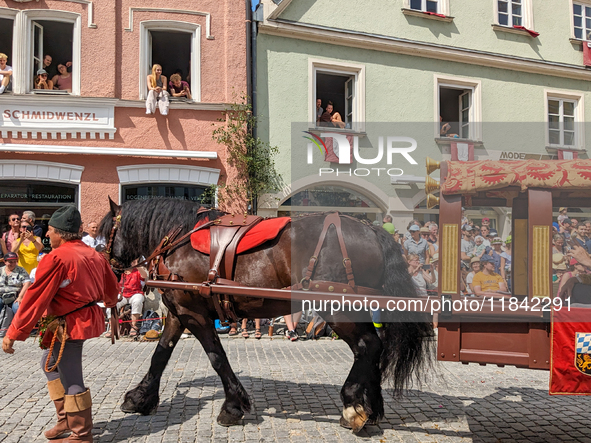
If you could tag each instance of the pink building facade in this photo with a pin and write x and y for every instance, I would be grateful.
(97, 141)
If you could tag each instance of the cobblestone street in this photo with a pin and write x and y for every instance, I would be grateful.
(295, 392)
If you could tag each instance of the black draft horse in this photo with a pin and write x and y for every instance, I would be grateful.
(377, 263)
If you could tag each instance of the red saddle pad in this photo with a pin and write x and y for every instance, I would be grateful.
(264, 231)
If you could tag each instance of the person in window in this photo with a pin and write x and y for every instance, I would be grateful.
(51, 69)
(331, 118)
(41, 81)
(63, 81)
(178, 87)
(5, 73)
(319, 110)
(157, 92)
(445, 128)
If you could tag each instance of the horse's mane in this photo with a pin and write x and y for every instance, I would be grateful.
(144, 223)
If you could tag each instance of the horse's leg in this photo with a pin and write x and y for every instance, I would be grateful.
(237, 402)
(362, 392)
(144, 398)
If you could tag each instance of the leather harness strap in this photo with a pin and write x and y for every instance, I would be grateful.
(330, 220)
(225, 233)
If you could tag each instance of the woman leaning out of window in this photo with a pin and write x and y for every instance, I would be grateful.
(157, 92)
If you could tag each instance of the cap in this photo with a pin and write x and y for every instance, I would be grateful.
(493, 233)
(10, 256)
(414, 228)
(66, 218)
(486, 259)
(475, 259)
(41, 71)
(435, 257)
(573, 261)
(558, 262)
(479, 237)
(389, 227)
(466, 228)
(486, 219)
(562, 209)
(509, 239)
(424, 230)
(497, 241)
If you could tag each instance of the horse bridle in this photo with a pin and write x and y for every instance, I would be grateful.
(108, 250)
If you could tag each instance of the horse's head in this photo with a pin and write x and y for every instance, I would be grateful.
(110, 230)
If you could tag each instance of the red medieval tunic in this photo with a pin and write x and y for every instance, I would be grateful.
(70, 277)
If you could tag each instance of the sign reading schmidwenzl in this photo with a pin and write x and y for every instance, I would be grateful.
(49, 117)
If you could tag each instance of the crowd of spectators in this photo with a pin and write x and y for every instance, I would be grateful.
(485, 256)
(22, 247)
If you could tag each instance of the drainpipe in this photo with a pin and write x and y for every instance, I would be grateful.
(249, 66)
(257, 16)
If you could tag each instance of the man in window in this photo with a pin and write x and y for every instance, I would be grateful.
(179, 88)
(487, 280)
(319, 110)
(5, 73)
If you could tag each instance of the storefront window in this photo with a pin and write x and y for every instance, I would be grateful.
(149, 191)
(331, 198)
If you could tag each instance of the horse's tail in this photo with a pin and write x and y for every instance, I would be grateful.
(408, 336)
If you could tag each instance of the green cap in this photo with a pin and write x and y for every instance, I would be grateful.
(67, 219)
(508, 240)
(389, 227)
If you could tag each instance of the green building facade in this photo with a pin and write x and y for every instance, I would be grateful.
(508, 77)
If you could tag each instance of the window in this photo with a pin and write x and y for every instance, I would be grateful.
(344, 86)
(424, 5)
(561, 122)
(6, 26)
(564, 120)
(51, 38)
(176, 47)
(510, 13)
(455, 107)
(459, 109)
(427, 6)
(582, 21)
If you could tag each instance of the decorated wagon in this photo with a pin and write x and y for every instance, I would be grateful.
(530, 327)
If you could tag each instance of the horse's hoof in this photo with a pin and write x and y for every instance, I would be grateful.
(345, 424)
(227, 419)
(355, 418)
(128, 407)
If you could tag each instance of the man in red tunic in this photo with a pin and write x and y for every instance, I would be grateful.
(69, 281)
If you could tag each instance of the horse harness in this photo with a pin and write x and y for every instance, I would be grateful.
(225, 235)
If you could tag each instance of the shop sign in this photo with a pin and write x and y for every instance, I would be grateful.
(45, 117)
(15, 192)
(511, 155)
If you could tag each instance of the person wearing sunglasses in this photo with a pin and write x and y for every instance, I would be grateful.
(42, 81)
(12, 235)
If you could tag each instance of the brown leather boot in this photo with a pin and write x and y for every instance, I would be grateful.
(79, 415)
(56, 393)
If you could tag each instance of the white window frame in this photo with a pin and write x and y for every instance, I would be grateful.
(475, 86)
(579, 118)
(23, 83)
(442, 6)
(145, 52)
(583, 3)
(527, 14)
(325, 66)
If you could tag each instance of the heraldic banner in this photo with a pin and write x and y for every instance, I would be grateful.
(570, 359)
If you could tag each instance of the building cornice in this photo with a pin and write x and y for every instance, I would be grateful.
(129, 152)
(377, 42)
